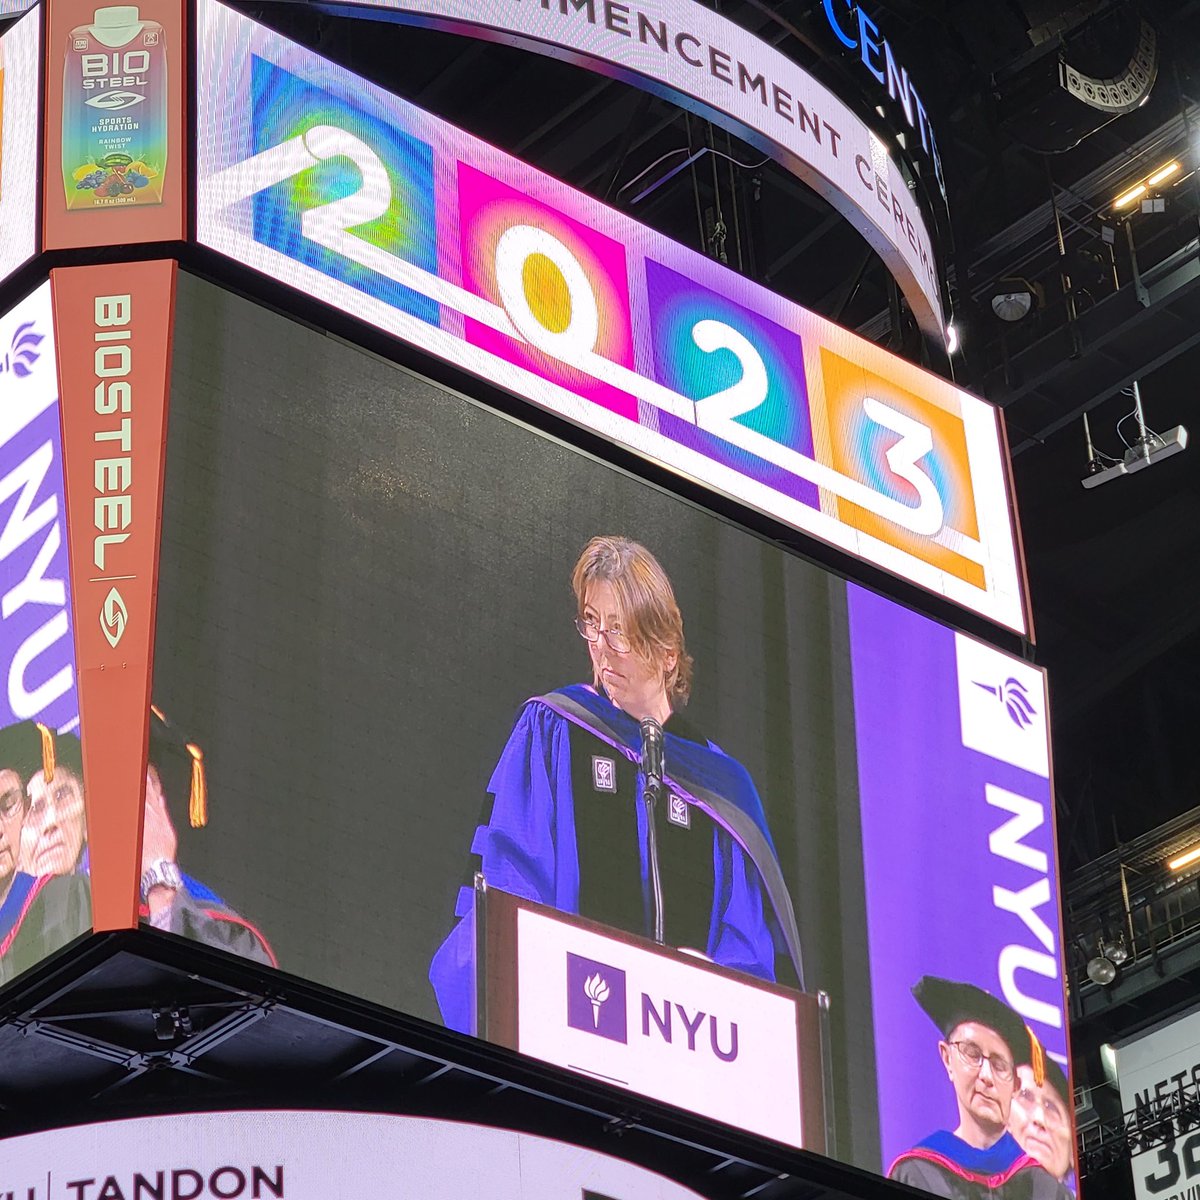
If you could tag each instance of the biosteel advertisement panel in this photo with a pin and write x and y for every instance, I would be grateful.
(115, 155)
(114, 334)
(43, 832)
(325, 182)
(20, 55)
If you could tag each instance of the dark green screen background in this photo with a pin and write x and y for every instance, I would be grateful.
(364, 575)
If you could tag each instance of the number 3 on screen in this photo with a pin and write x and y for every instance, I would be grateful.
(718, 414)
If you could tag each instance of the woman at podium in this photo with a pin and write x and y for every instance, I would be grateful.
(567, 825)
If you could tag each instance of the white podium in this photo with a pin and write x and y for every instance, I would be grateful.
(658, 1021)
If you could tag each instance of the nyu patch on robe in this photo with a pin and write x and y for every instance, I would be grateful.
(604, 774)
(677, 812)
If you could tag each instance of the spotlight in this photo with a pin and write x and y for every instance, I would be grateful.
(1142, 189)
(1127, 198)
(953, 342)
(1115, 953)
(1162, 173)
(1184, 860)
(1014, 299)
(1101, 970)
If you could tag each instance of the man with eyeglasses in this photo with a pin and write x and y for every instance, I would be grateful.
(565, 824)
(982, 1040)
(54, 839)
(38, 914)
(172, 900)
(1040, 1118)
(49, 768)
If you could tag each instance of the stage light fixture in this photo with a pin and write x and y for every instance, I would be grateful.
(1115, 952)
(1162, 173)
(1127, 198)
(1158, 176)
(1101, 970)
(1015, 298)
(1147, 449)
(1184, 860)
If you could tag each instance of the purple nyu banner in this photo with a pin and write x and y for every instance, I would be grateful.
(958, 846)
(37, 656)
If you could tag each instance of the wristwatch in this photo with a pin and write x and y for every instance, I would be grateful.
(160, 873)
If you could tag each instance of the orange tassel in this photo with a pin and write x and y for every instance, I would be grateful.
(198, 799)
(1037, 1058)
(48, 762)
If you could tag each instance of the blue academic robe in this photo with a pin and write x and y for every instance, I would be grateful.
(528, 846)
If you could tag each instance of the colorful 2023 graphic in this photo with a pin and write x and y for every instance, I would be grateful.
(332, 185)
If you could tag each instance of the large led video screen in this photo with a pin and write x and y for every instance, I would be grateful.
(20, 51)
(416, 663)
(326, 183)
(45, 897)
(274, 1155)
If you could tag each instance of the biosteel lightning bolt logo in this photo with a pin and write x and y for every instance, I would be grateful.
(114, 325)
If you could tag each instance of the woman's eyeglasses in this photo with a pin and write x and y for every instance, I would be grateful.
(618, 642)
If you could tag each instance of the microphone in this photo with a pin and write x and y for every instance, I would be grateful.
(652, 755)
(652, 788)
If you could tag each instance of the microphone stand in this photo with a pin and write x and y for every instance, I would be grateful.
(652, 789)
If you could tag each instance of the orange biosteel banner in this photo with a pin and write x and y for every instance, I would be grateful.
(115, 150)
(113, 327)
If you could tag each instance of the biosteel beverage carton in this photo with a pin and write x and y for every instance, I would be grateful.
(115, 111)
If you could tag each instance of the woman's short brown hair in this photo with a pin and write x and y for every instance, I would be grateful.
(654, 623)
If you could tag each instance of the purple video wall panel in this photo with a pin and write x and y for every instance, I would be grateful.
(958, 845)
(37, 654)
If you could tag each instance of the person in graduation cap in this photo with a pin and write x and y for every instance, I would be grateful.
(39, 914)
(982, 1040)
(54, 839)
(170, 899)
(565, 824)
(1040, 1118)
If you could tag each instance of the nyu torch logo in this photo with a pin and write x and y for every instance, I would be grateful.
(1013, 694)
(23, 352)
(596, 998)
(597, 992)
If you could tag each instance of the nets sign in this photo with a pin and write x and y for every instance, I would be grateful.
(331, 185)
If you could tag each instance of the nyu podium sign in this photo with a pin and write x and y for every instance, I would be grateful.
(663, 1023)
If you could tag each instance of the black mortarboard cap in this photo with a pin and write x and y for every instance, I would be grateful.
(29, 746)
(950, 1004)
(180, 766)
(1057, 1078)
